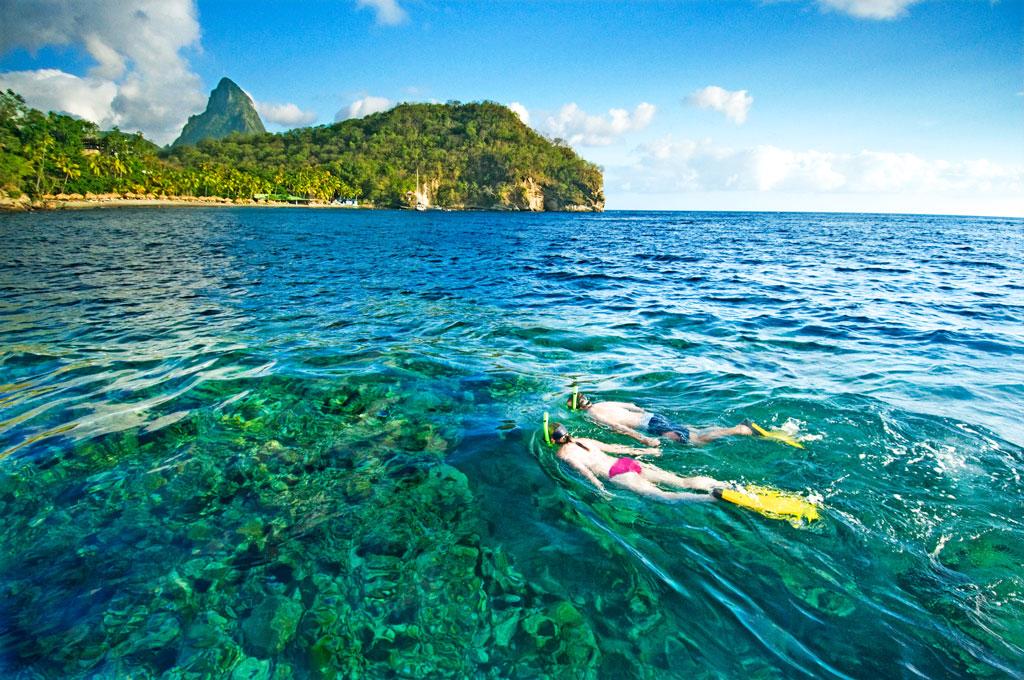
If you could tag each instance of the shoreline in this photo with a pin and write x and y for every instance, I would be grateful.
(25, 204)
(92, 201)
(107, 201)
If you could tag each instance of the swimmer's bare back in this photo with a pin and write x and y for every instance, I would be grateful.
(625, 418)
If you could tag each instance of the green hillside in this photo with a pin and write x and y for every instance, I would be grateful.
(466, 155)
(477, 155)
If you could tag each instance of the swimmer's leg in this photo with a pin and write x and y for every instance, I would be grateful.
(644, 487)
(710, 434)
(658, 476)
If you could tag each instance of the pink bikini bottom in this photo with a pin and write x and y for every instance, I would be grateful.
(623, 465)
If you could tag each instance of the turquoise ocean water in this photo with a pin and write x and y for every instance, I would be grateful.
(298, 443)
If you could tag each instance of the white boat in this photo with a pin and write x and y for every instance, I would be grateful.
(420, 205)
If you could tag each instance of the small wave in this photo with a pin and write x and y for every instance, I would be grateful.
(666, 257)
(947, 337)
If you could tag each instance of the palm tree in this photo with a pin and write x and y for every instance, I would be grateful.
(37, 151)
(70, 169)
(96, 164)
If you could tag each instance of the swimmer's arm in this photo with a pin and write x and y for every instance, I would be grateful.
(617, 448)
(630, 432)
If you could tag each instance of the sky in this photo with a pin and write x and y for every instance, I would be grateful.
(913, 106)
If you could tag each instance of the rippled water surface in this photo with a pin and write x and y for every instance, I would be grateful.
(302, 443)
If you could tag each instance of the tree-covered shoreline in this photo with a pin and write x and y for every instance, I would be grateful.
(458, 156)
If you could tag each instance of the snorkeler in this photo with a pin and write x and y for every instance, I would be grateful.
(629, 419)
(590, 457)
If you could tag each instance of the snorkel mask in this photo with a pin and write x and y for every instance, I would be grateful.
(577, 400)
(559, 433)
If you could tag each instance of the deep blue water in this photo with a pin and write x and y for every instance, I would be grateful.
(291, 443)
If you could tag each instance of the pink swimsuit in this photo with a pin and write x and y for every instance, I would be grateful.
(623, 465)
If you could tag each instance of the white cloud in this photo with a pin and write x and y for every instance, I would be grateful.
(286, 115)
(55, 90)
(669, 166)
(137, 48)
(521, 111)
(578, 127)
(389, 12)
(734, 105)
(870, 9)
(364, 107)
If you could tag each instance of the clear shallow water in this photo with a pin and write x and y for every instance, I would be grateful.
(283, 443)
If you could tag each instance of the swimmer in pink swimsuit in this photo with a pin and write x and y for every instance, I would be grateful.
(623, 465)
(590, 457)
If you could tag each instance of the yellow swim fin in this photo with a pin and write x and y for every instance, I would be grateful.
(777, 435)
(771, 503)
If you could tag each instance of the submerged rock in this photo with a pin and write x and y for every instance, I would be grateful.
(271, 625)
(251, 669)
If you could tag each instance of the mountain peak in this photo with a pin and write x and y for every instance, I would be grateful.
(229, 110)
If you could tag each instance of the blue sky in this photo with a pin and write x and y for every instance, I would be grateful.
(887, 105)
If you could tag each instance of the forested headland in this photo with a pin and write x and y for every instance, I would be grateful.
(454, 155)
